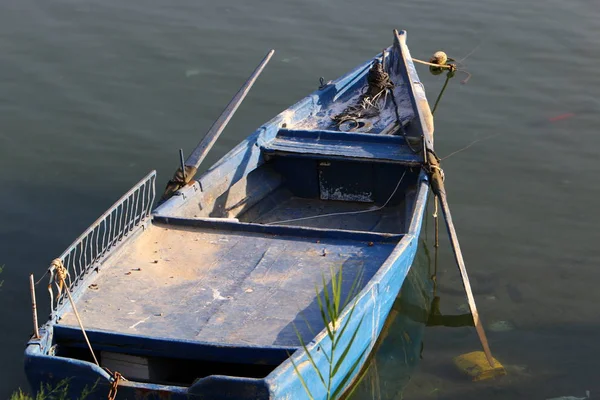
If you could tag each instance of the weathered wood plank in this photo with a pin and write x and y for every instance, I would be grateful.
(208, 279)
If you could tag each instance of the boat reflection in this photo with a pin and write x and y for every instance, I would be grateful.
(400, 345)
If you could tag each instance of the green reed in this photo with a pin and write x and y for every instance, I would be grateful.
(331, 306)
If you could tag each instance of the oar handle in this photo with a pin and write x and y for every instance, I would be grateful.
(200, 152)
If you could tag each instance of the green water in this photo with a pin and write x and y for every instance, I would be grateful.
(93, 94)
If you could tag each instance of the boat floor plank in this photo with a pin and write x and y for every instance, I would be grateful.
(224, 287)
(317, 213)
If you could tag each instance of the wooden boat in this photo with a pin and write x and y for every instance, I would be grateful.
(212, 293)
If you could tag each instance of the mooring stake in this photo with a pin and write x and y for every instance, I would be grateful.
(36, 332)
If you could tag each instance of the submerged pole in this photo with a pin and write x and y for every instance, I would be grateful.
(465, 278)
(36, 332)
(438, 188)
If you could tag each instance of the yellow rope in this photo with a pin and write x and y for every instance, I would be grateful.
(447, 66)
(57, 267)
(61, 274)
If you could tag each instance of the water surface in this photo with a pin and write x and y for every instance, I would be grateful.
(93, 94)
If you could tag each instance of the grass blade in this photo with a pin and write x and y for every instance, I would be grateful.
(328, 301)
(330, 307)
(354, 288)
(310, 329)
(344, 381)
(347, 349)
(309, 356)
(323, 316)
(304, 385)
(358, 381)
(337, 290)
(346, 323)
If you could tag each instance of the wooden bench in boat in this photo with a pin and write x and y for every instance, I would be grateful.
(342, 145)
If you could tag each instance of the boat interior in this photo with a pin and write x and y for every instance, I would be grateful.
(228, 266)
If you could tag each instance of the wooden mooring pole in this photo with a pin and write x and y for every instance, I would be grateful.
(36, 332)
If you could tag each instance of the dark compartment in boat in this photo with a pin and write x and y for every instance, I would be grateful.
(317, 192)
(168, 363)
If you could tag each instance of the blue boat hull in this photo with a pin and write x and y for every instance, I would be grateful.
(318, 166)
(372, 307)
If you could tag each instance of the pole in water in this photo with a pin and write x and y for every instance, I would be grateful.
(182, 161)
(465, 278)
(36, 331)
(438, 188)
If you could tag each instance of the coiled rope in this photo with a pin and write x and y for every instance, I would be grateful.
(378, 85)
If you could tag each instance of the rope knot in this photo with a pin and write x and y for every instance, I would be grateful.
(179, 180)
(437, 169)
(435, 172)
(59, 276)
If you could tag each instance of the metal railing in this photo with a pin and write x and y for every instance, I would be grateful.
(131, 210)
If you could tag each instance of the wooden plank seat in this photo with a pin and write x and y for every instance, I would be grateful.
(343, 145)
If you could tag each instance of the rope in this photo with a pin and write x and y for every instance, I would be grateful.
(437, 101)
(436, 244)
(378, 83)
(434, 170)
(471, 144)
(57, 268)
(437, 168)
(181, 178)
(61, 273)
(58, 274)
(447, 66)
(344, 213)
(43, 276)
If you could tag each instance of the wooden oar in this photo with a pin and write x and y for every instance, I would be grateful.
(181, 178)
(437, 185)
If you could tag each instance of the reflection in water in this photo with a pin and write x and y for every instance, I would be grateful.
(400, 346)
